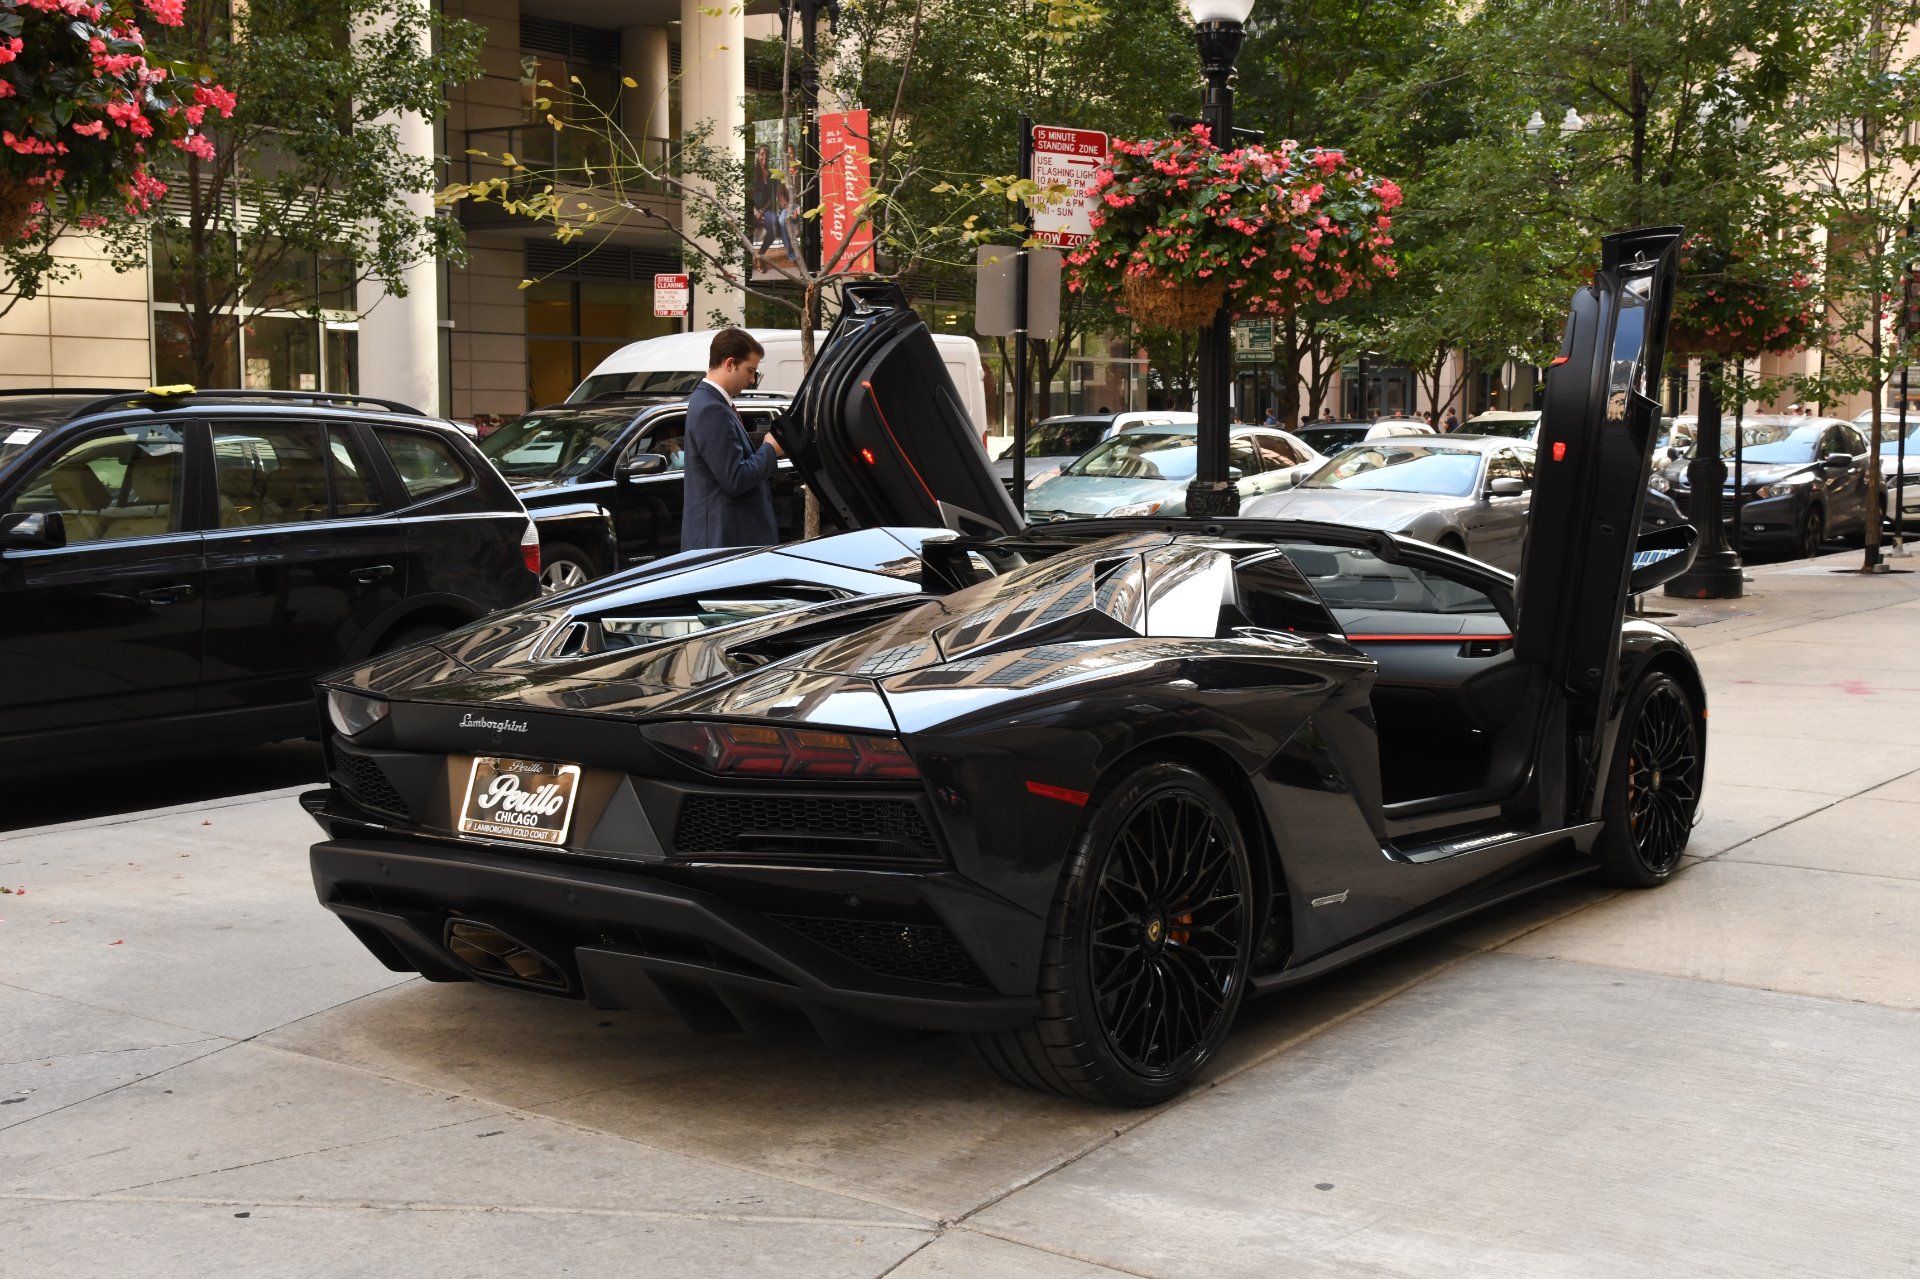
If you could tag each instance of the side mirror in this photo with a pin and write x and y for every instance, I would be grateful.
(1661, 555)
(1837, 462)
(33, 530)
(1673, 453)
(1506, 486)
(643, 464)
(1234, 472)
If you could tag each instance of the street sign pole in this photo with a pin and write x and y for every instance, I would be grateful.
(1020, 324)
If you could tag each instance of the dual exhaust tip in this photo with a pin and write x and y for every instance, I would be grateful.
(492, 953)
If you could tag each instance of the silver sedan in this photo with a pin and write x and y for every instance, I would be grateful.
(1467, 493)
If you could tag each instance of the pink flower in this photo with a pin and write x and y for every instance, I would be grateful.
(196, 144)
(168, 13)
(92, 129)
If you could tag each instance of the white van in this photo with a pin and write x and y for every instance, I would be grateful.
(674, 365)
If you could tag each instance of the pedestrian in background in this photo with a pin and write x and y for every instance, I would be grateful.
(729, 490)
(1273, 418)
(1453, 420)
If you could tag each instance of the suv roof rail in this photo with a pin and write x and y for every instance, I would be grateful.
(153, 396)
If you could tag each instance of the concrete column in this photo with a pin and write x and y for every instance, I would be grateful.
(400, 336)
(645, 56)
(712, 83)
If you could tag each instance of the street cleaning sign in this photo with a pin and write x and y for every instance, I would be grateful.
(1066, 158)
(671, 294)
(1252, 341)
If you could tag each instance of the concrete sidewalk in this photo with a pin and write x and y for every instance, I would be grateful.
(201, 1073)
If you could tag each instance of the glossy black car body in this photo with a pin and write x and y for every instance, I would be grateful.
(1073, 789)
(603, 480)
(194, 561)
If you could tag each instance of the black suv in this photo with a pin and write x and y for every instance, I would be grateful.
(603, 479)
(197, 558)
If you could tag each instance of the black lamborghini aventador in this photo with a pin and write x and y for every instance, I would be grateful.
(1073, 790)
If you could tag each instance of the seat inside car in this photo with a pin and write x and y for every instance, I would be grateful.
(296, 488)
(148, 496)
(1448, 696)
(83, 501)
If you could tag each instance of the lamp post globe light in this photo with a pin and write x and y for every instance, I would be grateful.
(1219, 27)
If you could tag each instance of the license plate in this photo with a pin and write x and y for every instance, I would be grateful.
(522, 799)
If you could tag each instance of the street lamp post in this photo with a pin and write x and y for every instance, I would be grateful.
(1219, 27)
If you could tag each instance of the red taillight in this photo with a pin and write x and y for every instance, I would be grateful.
(530, 548)
(754, 750)
(866, 455)
(1559, 451)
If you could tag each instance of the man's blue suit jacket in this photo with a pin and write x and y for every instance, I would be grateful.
(729, 496)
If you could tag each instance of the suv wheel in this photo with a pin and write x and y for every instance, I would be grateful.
(564, 566)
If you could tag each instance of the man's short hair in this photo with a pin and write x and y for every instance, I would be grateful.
(733, 344)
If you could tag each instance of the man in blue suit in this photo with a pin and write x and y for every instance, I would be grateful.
(729, 494)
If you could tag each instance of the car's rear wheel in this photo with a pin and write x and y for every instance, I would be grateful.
(1813, 532)
(1147, 946)
(1653, 787)
(564, 566)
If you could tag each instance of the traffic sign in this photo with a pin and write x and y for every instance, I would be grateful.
(1253, 340)
(672, 294)
(1066, 158)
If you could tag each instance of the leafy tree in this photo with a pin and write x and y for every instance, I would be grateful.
(1117, 67)
(306, 170)
(1609, 113)
(83, 112)
(1859, 162)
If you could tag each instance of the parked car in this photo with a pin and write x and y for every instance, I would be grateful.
(1401, 424)
(176, 569)
(1071, 789)
(1146, 470)
(1053, 442)
(605, 481)
(1466, 493)
(1804, 480)
(1514, 424)
(674, 363)
(1524, 424)
(1902, 476)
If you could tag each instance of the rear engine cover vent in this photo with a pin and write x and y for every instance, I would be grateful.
(916, 952)
(821, 827)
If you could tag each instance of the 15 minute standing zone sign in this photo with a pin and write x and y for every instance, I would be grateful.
(1066, 158)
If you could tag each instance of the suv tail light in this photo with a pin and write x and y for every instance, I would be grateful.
(755, 750)
(530, 547)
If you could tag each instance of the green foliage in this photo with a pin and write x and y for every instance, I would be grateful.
(306, 170)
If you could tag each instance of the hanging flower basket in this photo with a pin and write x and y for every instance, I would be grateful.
(1743, 300)
(1183, 228)
(17, 200)
(84, 111)
(1156, 302)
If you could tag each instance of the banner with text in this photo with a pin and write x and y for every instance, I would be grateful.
(846, 242)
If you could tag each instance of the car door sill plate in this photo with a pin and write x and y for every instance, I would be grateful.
(520, 799)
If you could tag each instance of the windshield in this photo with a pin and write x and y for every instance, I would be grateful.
(1519, 428)
(651, 382)
(1401, 468)
(1140, 455)
(1059, 439)
(1331, 439)
(552, 446)
(1771, 442)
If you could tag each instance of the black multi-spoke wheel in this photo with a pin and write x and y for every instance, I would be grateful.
(1654, 786)
(1147, 946)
